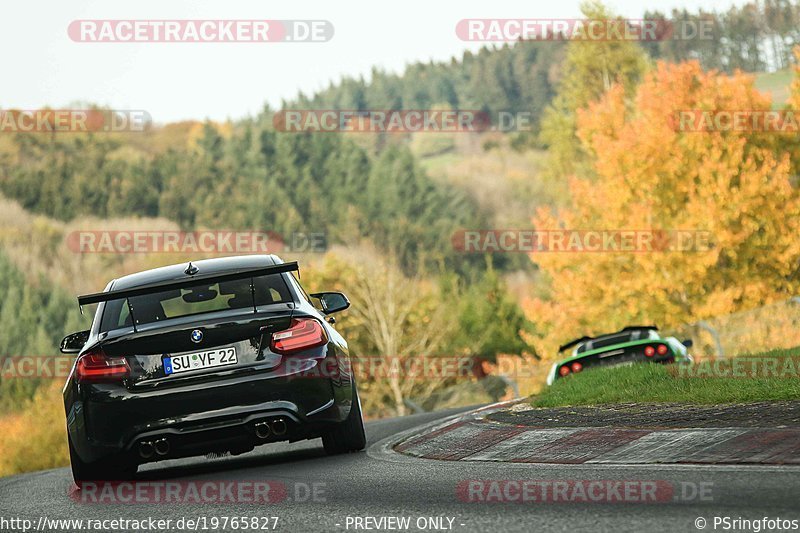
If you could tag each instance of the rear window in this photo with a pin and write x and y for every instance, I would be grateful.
(196, 300)
(610, 340)
(614, 339)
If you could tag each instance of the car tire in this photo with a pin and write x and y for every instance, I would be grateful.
(347, 436)
(111, 469)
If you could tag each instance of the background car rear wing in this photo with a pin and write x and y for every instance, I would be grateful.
(190, 281)
(570, 344)
(634, 328)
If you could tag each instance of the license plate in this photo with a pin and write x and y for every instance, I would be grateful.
(609, 354)
(200, 360)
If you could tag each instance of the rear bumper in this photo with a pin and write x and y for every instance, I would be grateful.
(109, 419)
(553, 375)
(237, 435)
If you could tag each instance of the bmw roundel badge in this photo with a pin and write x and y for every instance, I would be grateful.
(197, 335)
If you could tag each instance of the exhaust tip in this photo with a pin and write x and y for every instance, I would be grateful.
(279, 426)
(161, 446)
(262, 430)
(146, 449)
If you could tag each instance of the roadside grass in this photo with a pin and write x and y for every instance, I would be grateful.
(696, 384)
(777, 84)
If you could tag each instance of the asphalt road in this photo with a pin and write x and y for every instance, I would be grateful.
(382, 484)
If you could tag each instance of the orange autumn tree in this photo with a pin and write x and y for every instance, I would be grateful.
(790, 144)
(649, 175)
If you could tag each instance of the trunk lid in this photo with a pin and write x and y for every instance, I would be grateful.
(247, 334)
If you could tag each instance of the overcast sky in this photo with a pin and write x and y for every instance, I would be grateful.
(175, 81)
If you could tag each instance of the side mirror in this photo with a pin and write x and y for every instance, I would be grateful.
(688, 343)
(332, 302)
(73, 342)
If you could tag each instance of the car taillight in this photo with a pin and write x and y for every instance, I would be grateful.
(304, 333)
(564, 370)
(576, 367)
(96, 366)
(649, 351)
(661, 349)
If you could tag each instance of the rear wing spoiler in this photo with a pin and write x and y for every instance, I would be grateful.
(570, 344)
(191, 281)
(634, 328)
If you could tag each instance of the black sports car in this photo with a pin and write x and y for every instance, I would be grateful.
(216, 356)
(632, 344)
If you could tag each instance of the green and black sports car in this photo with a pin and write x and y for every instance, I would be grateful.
(632, 344)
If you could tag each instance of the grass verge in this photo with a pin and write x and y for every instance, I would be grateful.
(777, 85)
(767, 376)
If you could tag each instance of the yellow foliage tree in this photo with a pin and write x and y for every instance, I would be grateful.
(790, 144)
(649, 175)
(394, 321)
(590, 68)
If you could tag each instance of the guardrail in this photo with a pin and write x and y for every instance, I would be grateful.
(769, 327)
